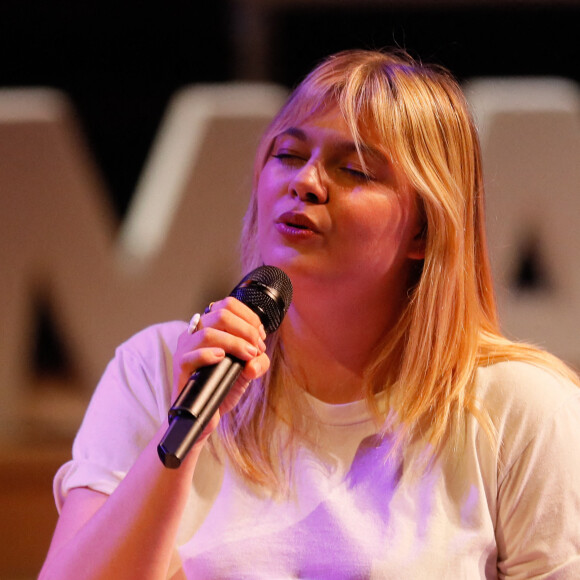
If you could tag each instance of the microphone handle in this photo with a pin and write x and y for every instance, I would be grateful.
(193, 409)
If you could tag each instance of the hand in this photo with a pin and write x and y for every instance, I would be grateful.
(230, 327)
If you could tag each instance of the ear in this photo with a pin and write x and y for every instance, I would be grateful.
(417, 245)
(418, 242)
(416, 250)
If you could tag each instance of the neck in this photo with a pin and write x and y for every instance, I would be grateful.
(330, 343)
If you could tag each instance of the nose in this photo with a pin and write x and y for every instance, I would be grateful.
(308, 184)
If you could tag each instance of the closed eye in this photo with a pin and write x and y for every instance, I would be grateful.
(284, 155)
(288, 158)
(358, 173)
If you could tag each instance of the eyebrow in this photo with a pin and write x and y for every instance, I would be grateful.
(293, 132)
(345, 146)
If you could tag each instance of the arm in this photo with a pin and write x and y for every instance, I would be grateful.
(131, 533)
(538, 527)
(127, 535)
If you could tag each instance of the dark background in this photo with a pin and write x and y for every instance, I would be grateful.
(120, 62)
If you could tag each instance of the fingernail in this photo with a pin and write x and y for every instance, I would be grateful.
(262, 346)
(251, 350)
(262, 331)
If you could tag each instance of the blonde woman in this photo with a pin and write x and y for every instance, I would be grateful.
(389, 430)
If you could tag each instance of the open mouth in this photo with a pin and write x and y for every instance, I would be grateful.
(297, 221)
(297, 226)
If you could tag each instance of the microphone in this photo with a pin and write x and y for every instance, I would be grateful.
(267, 290)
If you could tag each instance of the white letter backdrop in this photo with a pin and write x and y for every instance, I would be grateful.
(176, 250)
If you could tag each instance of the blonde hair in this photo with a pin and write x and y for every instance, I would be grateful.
(449, 326)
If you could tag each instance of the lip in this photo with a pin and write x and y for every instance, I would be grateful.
(297, 222)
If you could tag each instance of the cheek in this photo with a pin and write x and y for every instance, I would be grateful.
(264, 211)
(379, 230)
(265, 204)
(266, 192)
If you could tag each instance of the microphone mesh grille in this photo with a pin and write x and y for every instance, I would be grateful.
(267, 290)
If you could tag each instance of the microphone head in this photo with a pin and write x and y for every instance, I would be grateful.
(267, 290)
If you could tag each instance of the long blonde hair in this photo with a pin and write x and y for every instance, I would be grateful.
(449, 326)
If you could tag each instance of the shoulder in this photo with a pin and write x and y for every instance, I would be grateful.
(525, 401)
(534, 471)
(150, 349)
(146, 358)
(154, 339)
(521, 386)
(140, 373)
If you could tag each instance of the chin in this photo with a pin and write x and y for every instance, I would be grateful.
(283, 258)
(297, 264)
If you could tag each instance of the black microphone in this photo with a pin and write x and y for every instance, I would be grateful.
(267, 290)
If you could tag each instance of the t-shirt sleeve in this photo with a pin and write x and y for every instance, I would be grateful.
(126, 410)
(538, 517)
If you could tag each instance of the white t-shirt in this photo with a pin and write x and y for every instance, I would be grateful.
(477, 513)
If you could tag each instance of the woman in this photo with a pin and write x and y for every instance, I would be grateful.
(390, 430)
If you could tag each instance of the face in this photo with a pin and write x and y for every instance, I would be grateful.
(326, 215)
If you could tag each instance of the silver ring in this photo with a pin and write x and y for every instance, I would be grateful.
(193, 323)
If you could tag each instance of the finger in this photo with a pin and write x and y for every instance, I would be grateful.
(230, 343)
(255, 368)
(228, 331)
(207, 347)
(239, 308)
(219, 343)
(233, 316)
(238, 389)
(190, 362)
(202, 357)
